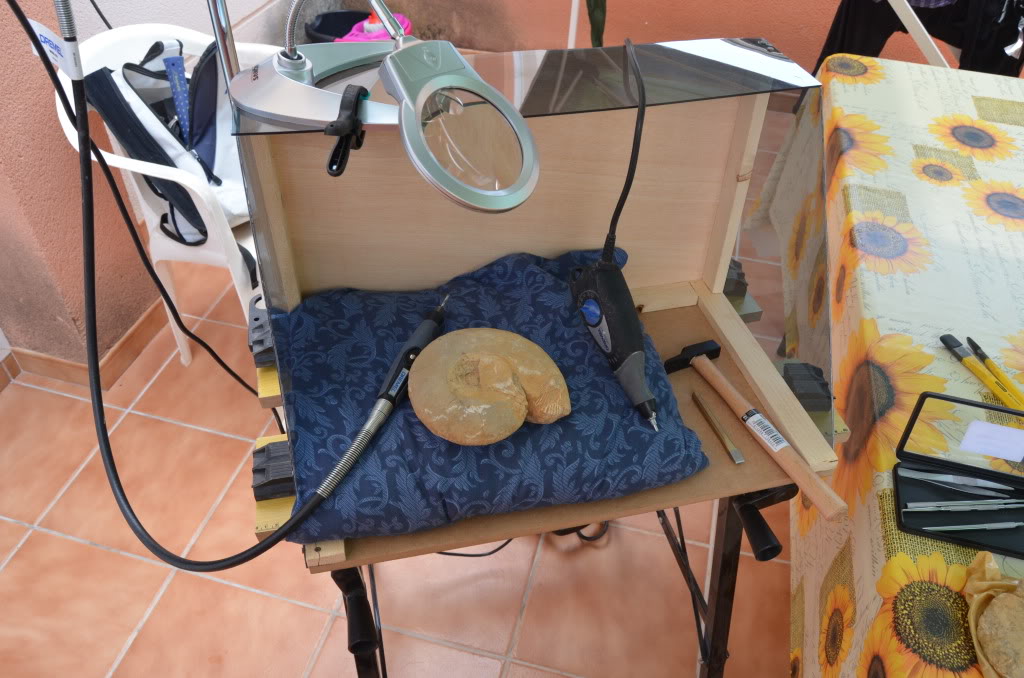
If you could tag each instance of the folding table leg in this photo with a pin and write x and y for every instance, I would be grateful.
(725, 564)
(363, 642)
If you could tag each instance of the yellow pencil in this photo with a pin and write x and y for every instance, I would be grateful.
(997, 371)
(978, 370)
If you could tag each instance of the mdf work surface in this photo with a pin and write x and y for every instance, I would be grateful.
(671, 330)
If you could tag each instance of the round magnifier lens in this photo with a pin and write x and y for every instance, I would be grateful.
(471, 139)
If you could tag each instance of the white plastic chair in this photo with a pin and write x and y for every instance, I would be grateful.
(124, 44)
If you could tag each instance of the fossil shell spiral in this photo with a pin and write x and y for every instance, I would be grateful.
(477, 386)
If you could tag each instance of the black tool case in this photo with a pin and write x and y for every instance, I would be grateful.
(1007, 542)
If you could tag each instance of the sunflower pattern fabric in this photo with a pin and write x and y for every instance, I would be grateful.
(920, 233)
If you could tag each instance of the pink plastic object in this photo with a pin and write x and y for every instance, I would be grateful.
(357, 34)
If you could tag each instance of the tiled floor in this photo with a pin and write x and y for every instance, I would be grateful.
(81, 597)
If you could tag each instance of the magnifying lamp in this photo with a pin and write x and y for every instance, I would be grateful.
(460, 133)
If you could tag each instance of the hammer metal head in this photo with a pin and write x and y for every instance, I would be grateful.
(709, 348)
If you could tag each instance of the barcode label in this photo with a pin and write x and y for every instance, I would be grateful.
(763, 428)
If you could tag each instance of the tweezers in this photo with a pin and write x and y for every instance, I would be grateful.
(966, 507)
(965, 528)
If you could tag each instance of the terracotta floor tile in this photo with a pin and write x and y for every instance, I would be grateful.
(759, 635)
(69, 607)
(760, 243)
(763, 162)
(472, 601)
(610, 609)
(203, 394)
(131, 382)
(11, 365)
(46, 436)
(406, 657)
(171, 474)
(770, 347)
(281, 571)
(776, 127)
(204, 628)
(520, 671)
(777, 518)
(198, 286)
(229, 310)
(765, 283)
(4, 379)
(696, 521)
(10, 535)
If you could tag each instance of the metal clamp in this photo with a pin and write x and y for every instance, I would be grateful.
(273, 473)
(261, 338)
(348, 128)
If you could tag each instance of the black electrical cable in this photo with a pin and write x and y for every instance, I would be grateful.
(100, 13)
(85, 148)
(140, 248)
(641, 108)
(475, 555)
(376, 622)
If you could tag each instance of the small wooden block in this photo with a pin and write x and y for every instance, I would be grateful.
(266, 440)
(272, 514)
(268, 386)
(324, 556)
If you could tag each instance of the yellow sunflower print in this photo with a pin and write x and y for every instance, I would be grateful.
(851, 142)
(924, 607)
(879, 381)
(796, 663)
(818, 297)
(979, 139)
(935, 171)
(882, 656)
(851, 69)
(806, 224)
(884, 244)
(999, 201)
(806, 514)
(842, 281)
(836, 635)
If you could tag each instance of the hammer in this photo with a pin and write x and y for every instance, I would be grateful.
(699, 357)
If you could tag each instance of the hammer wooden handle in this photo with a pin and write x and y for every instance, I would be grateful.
(809, 482)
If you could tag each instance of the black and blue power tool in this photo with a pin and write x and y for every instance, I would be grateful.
(602, 295)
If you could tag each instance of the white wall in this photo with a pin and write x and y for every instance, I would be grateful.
(253, 20)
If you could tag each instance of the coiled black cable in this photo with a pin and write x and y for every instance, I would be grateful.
(85, 149)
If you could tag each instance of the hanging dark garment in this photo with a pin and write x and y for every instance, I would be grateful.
(982, 29)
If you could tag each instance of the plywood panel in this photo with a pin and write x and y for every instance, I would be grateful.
(381, 226)
(671, 330)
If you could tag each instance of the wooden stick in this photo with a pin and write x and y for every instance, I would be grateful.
(810, 483)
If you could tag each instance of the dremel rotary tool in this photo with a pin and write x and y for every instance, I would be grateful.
(602, 295)
(392, 392)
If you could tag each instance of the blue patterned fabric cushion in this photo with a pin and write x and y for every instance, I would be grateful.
(335, 349)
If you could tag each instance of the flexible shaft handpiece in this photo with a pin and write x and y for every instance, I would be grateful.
(393, 390)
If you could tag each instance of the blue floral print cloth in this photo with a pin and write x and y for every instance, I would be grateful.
(336, 347)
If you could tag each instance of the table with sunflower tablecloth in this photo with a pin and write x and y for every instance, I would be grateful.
(899, 202)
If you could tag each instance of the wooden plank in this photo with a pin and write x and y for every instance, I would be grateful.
(778, 402)
(270, 222)
(676, 295)
(735, 181)
(671, 330)
(664, 227)
(266, 440)
(272, 514)
(268, 386)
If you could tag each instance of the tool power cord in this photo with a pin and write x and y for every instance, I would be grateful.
(87, 148)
